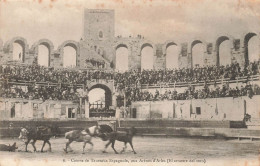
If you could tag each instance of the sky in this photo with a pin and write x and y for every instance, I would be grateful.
(158, 21)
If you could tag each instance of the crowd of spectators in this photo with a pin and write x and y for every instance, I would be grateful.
(130, 36)
(198, 74)
(42, 92)
(36, 73)
(102, 112)
(129, 81)
(97, 63)
(136, 94)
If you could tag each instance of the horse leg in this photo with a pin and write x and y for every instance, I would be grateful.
(104, 151)
(44, 142)
(48, 142)
(84, 145)
(124, 148)
(132, 147)
(113, 146)
(70, 148)
(33, 144)
(68, 145)
(91, 145)
(26, 144)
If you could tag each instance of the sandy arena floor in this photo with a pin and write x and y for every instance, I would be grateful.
(171, 151)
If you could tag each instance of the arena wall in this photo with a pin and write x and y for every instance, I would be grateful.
(228, 108)
(21, 109)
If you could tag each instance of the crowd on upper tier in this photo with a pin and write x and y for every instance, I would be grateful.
(37, 73)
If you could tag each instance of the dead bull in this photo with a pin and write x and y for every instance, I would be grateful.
(9, 148)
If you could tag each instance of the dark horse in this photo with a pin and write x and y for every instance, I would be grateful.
(43, 133)
(124, 136)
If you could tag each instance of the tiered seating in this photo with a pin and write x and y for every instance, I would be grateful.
(37, 82)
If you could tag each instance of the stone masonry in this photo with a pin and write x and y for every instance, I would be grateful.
(99, 42)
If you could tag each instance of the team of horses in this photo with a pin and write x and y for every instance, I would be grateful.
(106, 133)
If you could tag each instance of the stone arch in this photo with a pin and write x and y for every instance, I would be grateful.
(193, 43)
(167, 44)
(147, 43)
(121, 44)
(197, 41)
(108, 93)
(72, 44)
(45, 42)
(245, 40)
(21, 41)
(217, 44)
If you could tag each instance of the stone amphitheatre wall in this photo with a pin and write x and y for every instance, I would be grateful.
(106, 50)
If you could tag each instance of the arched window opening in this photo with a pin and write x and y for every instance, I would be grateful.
(147, 58)
(172, 53)
(122, 59)
(43, 55)
(198, 55)
(253, 49)
(18, 52)
(225, 53)
(69, 56)
(97, 98)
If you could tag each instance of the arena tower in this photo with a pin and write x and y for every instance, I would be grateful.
(98, 36)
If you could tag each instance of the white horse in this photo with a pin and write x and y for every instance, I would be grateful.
(84, 136)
